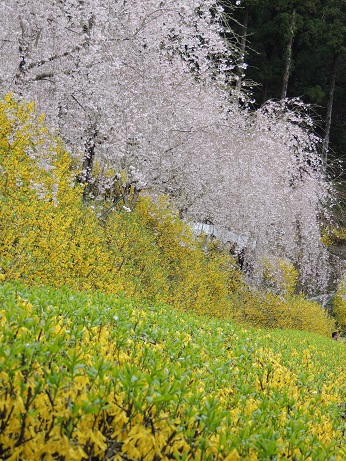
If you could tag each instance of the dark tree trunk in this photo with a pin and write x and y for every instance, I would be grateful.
(265, 91)
(328, 122)
(242, 51)
(88, 162)
(288, 63)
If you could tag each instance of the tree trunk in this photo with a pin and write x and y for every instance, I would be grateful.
(88, 162)
(242, 52)
(265, 91)
(328, 122)
(289, 55)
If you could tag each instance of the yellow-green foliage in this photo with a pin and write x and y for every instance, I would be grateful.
(279, 275)
(278, 306)
(96, 377)
(194, 278)
(48, 236)
(158, 258)
(339, 307)
(263, 309)
(333, 235)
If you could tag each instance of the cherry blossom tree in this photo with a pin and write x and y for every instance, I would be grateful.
(150, 88)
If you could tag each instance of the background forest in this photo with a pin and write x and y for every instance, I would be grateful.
(297, 49)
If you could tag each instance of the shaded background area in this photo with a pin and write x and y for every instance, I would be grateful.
(298, 49)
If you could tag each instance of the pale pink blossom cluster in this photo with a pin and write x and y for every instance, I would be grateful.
(149, 87)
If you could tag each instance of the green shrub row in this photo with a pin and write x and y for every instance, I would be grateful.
(92, 376)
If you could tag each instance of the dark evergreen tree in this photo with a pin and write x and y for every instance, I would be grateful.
(298, 49)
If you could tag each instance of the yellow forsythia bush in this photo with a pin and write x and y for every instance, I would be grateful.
(333, 235)
(279, 275)
(277, 306)
(48, 236)
(160, 252)
(339, 305)
(293, 312)
(96, 377)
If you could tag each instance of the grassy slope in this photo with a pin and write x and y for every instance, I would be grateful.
(96, 377)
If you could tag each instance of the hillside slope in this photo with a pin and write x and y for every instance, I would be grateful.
(93, 376)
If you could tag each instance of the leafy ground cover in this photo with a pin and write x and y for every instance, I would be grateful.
(97, 377)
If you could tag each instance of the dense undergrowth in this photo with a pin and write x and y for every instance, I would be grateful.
(93, 376)
(49, 236)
